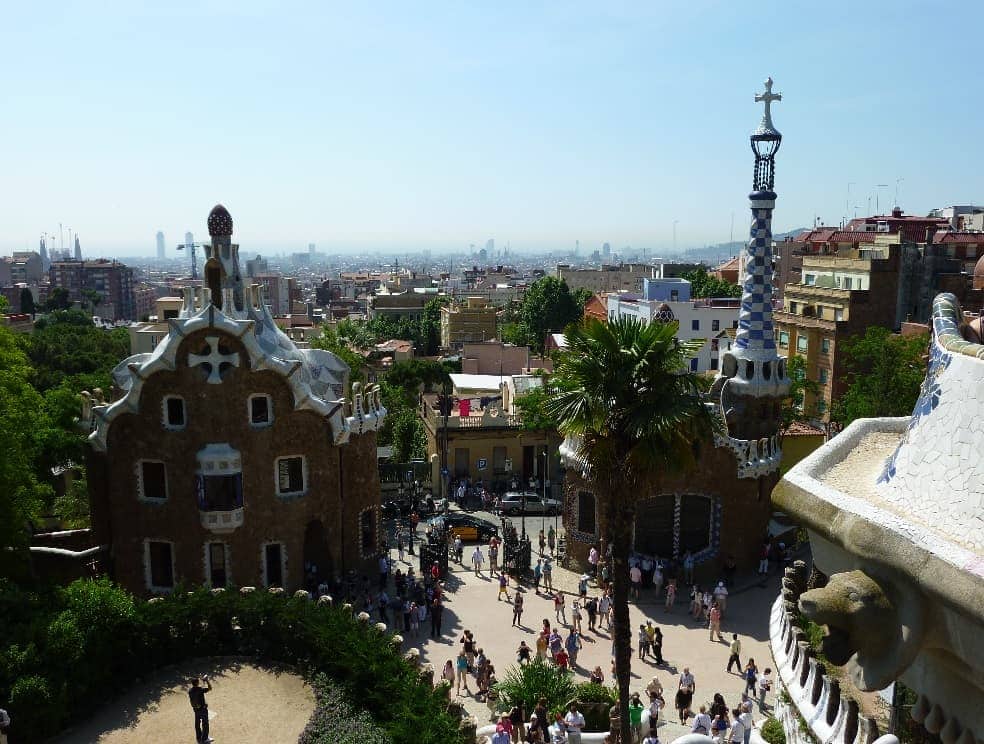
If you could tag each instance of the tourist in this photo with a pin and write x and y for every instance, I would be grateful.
(635, 579)
(551, 539)
(534, 734)
(604, 605)
(542, 540)
(688, 567)
(765, 685)
(635, 716)
(582, 586)
(604, 574)
(685, 694)
(559, 610)
(696, 602)
(4, 725)
(574, 722)
(518, 610)
(435, 572)
(658, 644)
(719, 727)
(541, 646)
(721, 596)
(593, 560)
(715, 622)
(503, 587)
(670, 595)
(597, 676)
(399, 547)
(505, 725)
(652, 737)
(545, 630)
(643, 643)
(468, 646)
(384, 568)
(414, 619)
(448, 673)
(556, 643)
(576, 615)
(501, 735)
(477, 560)
(542, 717)
(737, 734)
(436, 613)
(461, 665)
(706, 601)
(523, 653)
(702, 722)
(719, 709)
(516, 719)
(658, 579)
(647, 566)
(763, 566)
(493, 555)
(655, 706)
(592, 609)
(547, 575)
(196, 694)
(655, 689)
(562, 659)
(751, 677)
(537, 575)
(573, 645)
(746, 720)
(407, 612)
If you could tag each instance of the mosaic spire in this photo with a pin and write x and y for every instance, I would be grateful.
(755, 329)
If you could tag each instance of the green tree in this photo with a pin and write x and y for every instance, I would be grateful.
(534, 408)
(703, 284)
(624, 395)
(794, 407)
(355, 334)
(409, 438)
(58, 299)
(27, 301)
(548, 306)
(429, 340)
(885, 372)
(329, 341)
(91, 299)
(22, 493)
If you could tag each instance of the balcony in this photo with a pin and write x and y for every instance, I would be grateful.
(222, 522)
(489, 417)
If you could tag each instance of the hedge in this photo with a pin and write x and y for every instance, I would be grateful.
(64, 651)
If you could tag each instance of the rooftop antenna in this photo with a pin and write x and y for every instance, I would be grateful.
(898, 181)
(192, 249)
(877, 195)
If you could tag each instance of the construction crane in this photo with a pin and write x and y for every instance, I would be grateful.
(192, 248)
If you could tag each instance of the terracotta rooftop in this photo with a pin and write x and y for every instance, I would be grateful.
(801, 429)
(952, 236)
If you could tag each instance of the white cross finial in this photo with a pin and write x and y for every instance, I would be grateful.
(215, 359)
(767, 98)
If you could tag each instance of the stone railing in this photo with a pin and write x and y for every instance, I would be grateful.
(813, 696)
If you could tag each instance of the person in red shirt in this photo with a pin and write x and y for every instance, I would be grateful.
(562, 659)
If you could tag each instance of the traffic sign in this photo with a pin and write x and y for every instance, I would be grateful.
(508, 465)
(482, 463)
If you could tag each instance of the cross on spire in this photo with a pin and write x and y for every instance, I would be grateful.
(767, 98)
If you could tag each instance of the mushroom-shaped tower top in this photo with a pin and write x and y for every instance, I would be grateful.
(219, 222)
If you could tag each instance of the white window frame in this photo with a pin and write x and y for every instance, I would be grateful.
(283, 562)
(167, 424)
(207, 561)
(249, 411)
(276, 476)
(825, 346)
(140, 482)
(148, 572)
(804, 346)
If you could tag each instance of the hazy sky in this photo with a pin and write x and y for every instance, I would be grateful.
(439, 125)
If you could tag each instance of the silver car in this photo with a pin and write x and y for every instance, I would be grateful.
(512, 503)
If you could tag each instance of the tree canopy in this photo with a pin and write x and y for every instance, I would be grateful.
(548, 306)
(885, 372)
(703, 284)
(794, 407)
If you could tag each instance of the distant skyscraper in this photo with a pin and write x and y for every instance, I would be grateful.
(606, 249)
(78, 248)
(577, 248)
(490, 246)
(189, 239)
(160, 245)
(311, 249)
(45, 263)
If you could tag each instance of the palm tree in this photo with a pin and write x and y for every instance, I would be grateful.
(632, 413)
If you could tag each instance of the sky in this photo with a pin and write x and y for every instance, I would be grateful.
(401, 126)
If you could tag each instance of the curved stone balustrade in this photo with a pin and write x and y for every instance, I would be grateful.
(755, 457)
(815, 696)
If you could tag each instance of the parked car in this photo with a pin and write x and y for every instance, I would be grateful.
(396, 509)
(512, 503)
(465, 526)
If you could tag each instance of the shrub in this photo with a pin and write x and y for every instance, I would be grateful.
(335, 721)
(92, 639)
(524, 685)
(772, 731)
(596, 701)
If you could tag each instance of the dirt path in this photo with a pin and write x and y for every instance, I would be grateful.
(248, 704)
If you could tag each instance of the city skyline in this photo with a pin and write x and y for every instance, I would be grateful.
(386, 129)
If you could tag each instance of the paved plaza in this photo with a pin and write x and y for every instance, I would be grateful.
(471, 604)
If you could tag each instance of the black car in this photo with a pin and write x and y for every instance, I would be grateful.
(396, 509)
(466, 526)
